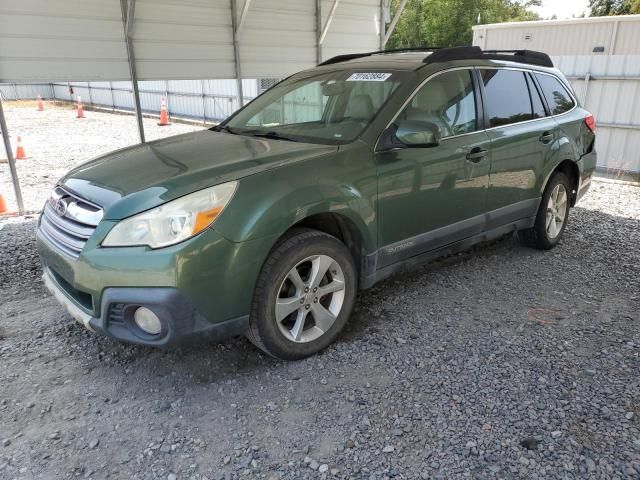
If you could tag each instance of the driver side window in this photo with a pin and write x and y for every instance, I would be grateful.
(446, 101)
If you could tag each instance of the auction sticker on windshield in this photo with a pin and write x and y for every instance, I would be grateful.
(368, 77)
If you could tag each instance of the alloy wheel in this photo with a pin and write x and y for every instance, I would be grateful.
(310, 298)
(556, 211)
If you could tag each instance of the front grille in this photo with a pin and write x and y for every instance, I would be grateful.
(84, 299)
(68, 221)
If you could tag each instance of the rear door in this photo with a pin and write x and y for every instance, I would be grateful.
(523, 138)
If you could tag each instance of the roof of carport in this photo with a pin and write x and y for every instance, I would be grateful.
(81, 40)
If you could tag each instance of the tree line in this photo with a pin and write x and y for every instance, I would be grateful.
(446, 23)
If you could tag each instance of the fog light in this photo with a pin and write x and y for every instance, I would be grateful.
(147, 321)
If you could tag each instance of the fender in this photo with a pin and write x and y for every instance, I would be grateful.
(269, 203)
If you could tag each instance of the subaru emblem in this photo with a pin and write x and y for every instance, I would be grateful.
(60, 207)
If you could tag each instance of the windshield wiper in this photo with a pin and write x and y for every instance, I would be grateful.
(224, 128)
(269, 134)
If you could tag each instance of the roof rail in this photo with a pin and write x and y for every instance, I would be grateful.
(351, 56)
(450, 54)
(476, 53)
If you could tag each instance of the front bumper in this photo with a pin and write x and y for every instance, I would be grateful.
(181, 323)
(201, 288)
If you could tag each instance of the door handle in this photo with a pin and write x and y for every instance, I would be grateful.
(476, 154)
(546, 138)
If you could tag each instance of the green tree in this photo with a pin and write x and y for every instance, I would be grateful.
(446, 23)
(602, 8)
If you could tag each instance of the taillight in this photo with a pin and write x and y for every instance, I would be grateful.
(590, 122)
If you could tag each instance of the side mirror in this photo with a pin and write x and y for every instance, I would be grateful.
(418, 134)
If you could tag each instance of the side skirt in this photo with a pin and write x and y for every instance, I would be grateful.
(487, 236)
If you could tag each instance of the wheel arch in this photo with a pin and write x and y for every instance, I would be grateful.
(340, 226)
(572, 171)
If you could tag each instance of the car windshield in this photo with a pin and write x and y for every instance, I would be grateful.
(317, 107)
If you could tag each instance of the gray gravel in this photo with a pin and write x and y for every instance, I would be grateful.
(56, 141)
(502, 362)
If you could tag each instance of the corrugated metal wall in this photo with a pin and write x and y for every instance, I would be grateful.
(25, 91)
(206, 100)
(601, 58)
(609, 86)
(67, 40)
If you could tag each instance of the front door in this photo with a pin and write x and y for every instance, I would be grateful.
(429, 197)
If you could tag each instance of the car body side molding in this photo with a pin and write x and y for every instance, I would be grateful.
(448, 240)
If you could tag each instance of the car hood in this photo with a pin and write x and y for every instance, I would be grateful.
(144, 176)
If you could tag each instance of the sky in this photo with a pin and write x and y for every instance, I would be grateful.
(562, 8)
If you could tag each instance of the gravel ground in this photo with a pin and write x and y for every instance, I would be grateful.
(502, 362)
(56, 141)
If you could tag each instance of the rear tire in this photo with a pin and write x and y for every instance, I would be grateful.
(553, 214)
(304, 295)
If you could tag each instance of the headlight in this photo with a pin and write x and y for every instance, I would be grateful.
(172, 222)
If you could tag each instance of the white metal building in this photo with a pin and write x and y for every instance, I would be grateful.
(601, 58)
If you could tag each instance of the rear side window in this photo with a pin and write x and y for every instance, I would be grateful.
(507, 97)
(536, 101)
(556, 94)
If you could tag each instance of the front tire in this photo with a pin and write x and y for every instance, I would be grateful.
(304, 295)
(552, 216)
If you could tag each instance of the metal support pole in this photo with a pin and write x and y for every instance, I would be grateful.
(585, 93)
(236, 51)
(167, 95)
(204, 102)
(90, 95)
(11, 160)
(392, 26)
(113, 100)
(128, 10)
(327, 24)
(243, 16)
(318, 31)
(614, 38)
(382, 25)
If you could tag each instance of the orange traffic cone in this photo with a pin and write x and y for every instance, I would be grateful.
(164, 115)
(20, 153)
(40, 105)
(3, 205)
(80, 109)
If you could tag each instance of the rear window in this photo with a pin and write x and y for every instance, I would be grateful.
(555, 92)
(507, 97)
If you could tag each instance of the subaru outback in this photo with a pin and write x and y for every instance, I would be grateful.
(337, 177)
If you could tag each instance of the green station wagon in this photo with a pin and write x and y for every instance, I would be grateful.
(337, 177)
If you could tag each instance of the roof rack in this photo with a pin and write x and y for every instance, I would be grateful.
(352, 56)
(458, 53)
(476, 53)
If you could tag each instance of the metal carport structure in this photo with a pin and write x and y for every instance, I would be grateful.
(91, 40)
